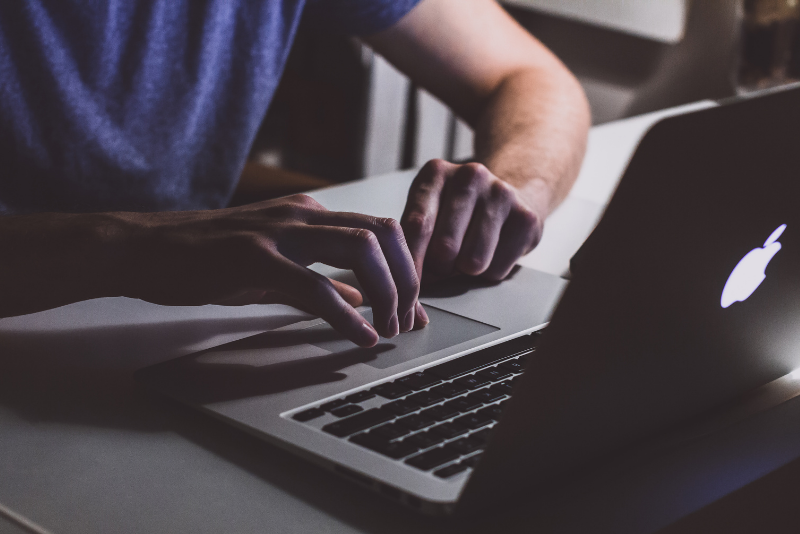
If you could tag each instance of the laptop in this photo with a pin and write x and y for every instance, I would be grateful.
(682, 299)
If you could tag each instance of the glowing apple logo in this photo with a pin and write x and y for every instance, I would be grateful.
(749, 272)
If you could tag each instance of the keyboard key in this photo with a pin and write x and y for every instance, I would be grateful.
(425, 440)
(473, 420)
(366, 439)
(391, 391)
(418, 381)
(449, 430)
(328, 406)
(390, 431)
(449, 390)
(472, 461)
(482, 435)
(492, 411)
(424, 398)
(416, 422)
(472, 381)
(463, 404)
(394, 450)
(308, 415)
(503, 388)
(512, 366)
(433, 458)
(482, 358)
(486, 396)
(493, 374)
(401, 407)
(346, 410)
(440, 413)
(361, 396)
(467, 445)
(450, 470)
(358, 422)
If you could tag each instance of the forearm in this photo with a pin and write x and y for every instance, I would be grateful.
(49, 260)
(531, 132)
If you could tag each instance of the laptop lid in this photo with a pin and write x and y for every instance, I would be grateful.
(684, 297)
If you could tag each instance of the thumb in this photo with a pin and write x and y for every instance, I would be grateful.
(351, 295)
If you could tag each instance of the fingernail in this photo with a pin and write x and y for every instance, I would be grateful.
(408, 320)
(421, 315)
(370, 337)
(394, 326)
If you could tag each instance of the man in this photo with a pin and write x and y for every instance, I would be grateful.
(123, 126)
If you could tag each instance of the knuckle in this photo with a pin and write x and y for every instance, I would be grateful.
(418, 224)
(477, 169)
(502, 192)
(435, 166)
(306, 202)
(528, 219)
(530, 226)
(287, 210)
(472, 176)
(389, 226)
(249, 242)
(446, 247)
(365, 240)
(472, 264)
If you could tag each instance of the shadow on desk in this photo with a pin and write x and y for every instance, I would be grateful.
(85, 378)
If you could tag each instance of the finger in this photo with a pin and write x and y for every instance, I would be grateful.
(395, 251)
(456, 207)
(421, 320)
(422, 208)
(316, 294)
(483, 234)
(520, 234)
(349, 248)
(351, 295)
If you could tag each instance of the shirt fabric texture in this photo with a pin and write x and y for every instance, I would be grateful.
(145, 105)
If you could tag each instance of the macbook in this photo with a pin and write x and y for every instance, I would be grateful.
(683, 298)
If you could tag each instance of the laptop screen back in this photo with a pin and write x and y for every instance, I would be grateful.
(686, 296)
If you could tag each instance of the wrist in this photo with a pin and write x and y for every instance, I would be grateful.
(113, 253)
(537, 193)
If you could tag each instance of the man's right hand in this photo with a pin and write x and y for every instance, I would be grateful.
(251, 254)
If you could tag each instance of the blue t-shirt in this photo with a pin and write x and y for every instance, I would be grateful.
(145, 105)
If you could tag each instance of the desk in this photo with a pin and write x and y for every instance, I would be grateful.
(84, 449)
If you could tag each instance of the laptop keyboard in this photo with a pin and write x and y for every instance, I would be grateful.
(435, 420)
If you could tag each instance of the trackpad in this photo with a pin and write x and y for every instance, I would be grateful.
(445, 330)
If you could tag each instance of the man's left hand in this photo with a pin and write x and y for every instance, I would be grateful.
(464, 219)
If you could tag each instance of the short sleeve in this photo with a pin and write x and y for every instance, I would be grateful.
(356, 17)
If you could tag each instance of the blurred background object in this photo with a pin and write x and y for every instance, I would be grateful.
(342, 112)
(770, 44)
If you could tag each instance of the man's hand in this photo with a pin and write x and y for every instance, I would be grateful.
(462, 218)
(247, 255)
(530, 118)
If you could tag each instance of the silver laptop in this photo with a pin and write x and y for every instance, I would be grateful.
(684, 297)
